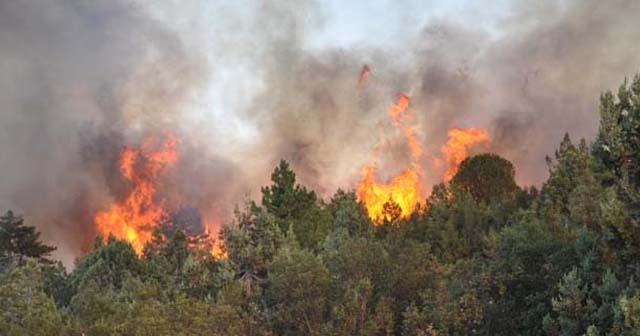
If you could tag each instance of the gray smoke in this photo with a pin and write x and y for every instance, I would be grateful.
(536, 79)
(80, 79)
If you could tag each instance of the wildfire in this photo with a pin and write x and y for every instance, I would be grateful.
(134, 217)
(456, 149)
(216, 247)
(403, 188)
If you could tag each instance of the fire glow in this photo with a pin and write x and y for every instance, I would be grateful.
(403, 188)
(134, 218)
(456, 149)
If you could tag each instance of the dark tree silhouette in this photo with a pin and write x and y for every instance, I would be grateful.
(20, 241)
(487, 177)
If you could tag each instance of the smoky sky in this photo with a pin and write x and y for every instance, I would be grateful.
(81, 79)
(538, 77)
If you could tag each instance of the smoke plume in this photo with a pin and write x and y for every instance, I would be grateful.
(81, 79)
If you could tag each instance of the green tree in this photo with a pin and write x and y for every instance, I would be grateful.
(349, 214)
(296, 208)
(134, 309)
(353, 259)
(381, 322)
(26, 308)
(459, 225)
(488, 177)
(20, 241)
(57, 283)
(451, 300)
(177, 251)
(571, 306)
(350, 314)
(630, 307)
(297, 292)
(246, 313)
(570, 166)
(251, 243)
(414, 272)
(617, 145)
(415, 323)
(584, 201)
(530, 258)
(107, 265)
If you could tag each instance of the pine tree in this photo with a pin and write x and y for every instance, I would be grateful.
(297, 292)
(296, 208)
(20, 241)
(571, 306)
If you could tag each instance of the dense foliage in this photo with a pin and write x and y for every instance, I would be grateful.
(482, 257)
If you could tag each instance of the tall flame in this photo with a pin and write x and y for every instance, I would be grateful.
(403, 188)
(456, 149)
(134, 218)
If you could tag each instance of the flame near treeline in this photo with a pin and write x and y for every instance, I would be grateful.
(142, 210)
(135, 216)
(242, 87)
(405, 188)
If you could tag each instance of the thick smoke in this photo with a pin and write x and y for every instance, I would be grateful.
(536, 78)
(78, 80)
(81, 79)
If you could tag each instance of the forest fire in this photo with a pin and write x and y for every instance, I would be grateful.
(456, 149)
(403, 189)
(134, 218)
(319, 168)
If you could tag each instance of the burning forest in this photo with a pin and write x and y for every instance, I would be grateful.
(132, 218)
(406, 188)
(440, 169)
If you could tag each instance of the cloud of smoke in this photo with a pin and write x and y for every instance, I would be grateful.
(78, 80)
(536, 79)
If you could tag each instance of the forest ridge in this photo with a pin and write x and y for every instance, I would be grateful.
(482, 256)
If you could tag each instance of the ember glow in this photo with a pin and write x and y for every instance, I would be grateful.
(134, 218)
(457, 147)
(402, 188)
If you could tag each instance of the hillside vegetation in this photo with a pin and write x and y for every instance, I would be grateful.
(481, 257)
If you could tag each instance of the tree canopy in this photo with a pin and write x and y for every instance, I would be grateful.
(488, 177)
(482, 256)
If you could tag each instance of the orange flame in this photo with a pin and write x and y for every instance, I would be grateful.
(134, 218)
(397, 110)
(456, 149)
(402, 188)
(216, 248)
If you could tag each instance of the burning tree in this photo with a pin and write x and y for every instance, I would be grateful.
(402, 188)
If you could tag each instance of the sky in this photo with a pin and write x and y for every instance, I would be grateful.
(389, 23)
